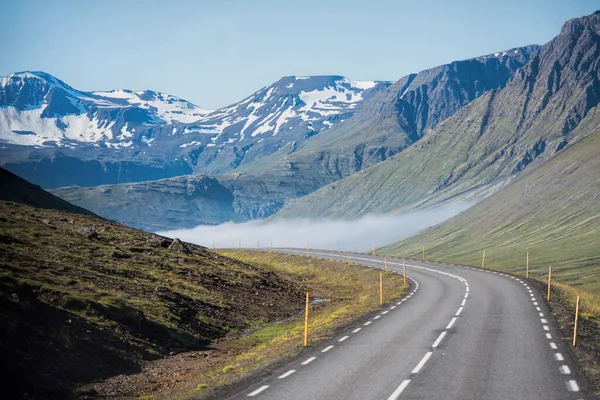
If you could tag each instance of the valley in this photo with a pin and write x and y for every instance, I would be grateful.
(427, 232)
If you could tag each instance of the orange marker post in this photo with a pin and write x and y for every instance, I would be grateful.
(380, 289)
(576, 319)
(306, 319)
(549, 281)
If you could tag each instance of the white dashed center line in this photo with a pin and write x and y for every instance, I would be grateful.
(452, 321)
(422, 362)
(399, 390)
(438, 340)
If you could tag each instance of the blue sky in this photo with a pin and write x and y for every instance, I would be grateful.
(215, 52)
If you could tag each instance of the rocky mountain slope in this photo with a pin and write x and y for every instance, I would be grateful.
(123, 136)
(548, 104)
(384, 124)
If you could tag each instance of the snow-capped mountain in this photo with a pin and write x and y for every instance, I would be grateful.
(37, 109)
(39, 112)
(291, 109)
(315, 102)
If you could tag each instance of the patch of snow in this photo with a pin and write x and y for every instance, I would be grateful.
(168, 108)
(363, 85)
(192, 143)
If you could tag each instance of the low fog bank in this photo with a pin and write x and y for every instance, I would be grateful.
(353, 235)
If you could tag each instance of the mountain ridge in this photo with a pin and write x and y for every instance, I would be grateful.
(44, 120)
(375, 133)
(550, 102)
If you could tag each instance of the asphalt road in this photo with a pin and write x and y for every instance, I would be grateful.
(461, 333)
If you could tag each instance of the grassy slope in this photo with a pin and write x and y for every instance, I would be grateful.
(552, 212)
(115, 300)
(122, 313)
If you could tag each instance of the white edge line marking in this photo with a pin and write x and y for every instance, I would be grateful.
(422, 362)
(399, 390)
(438, 340)
(573, 386)
(356, 330)
(326, 349)
(343, 338)
(257, 391)
(553, 345)
(565, 370)
(377, 317)
(309, 360)
(367, 323)
(291, 371)
(459, 311)
(559, 357)
(548, 336)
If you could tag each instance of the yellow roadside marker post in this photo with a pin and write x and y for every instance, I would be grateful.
(404, 266)
(576, 319)
(483, 260)
(373, 247)
(385, 263)
(549, 281)
(423, 256)
(527, 270)
(306, 319)
(381, 289)
(348, 258)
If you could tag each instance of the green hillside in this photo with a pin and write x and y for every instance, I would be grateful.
(552, 212)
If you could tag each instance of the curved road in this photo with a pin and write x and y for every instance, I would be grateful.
(461, 333)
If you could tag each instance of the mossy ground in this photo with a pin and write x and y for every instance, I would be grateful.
(117, 313)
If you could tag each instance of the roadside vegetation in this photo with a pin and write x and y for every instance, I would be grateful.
(93, 309)
(340, 294)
